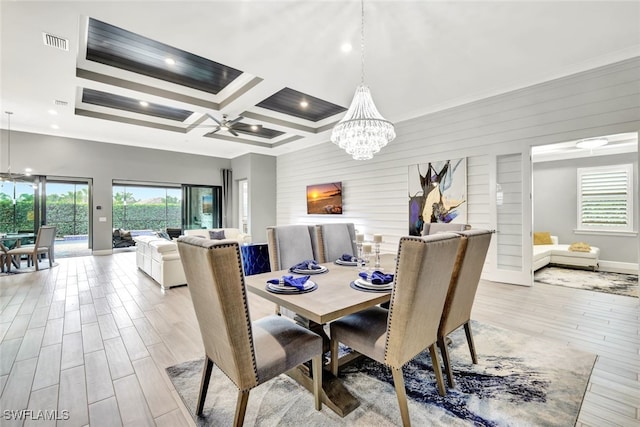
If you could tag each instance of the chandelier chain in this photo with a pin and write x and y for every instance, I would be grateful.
(362, 41)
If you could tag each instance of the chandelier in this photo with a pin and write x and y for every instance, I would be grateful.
(363, 131)
(8, 175)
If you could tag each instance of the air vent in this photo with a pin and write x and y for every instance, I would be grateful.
(55, 41)
(60, 103)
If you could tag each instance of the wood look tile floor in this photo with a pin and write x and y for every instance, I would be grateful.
(91, 338)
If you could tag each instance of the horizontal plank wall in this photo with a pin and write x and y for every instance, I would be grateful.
(600, 101)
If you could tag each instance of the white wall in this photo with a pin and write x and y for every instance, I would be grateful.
(597, 102)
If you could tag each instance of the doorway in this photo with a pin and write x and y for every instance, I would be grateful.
(65, 205)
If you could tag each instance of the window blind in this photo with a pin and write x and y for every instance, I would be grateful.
(605, 196)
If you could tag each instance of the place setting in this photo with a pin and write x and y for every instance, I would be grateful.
(376, 281)
(308, 267)
(348, 260)
(291, 285)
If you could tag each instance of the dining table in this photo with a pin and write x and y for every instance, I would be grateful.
(334, 297)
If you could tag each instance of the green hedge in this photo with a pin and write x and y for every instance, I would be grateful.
(147, 217)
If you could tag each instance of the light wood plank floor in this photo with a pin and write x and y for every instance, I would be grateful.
(93, 335)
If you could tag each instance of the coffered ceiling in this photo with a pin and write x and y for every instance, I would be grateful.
(164, 74)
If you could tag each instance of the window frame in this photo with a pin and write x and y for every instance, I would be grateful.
(602, 227)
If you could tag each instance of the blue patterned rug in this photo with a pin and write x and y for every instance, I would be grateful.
(519, 380)
(597, 281)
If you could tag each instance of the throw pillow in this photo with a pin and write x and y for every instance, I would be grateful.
(542, 238)
(125, 235)
(163, 235)
(216, 234)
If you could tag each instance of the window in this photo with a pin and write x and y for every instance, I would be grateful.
(605, 198)
(139, 207)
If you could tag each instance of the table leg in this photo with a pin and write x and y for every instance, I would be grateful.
(334, 394)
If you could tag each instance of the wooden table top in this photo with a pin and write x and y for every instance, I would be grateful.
(334, 297)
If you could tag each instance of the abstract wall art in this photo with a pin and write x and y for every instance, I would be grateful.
(437, 193)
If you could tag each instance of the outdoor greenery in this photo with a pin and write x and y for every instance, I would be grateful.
(137, 215)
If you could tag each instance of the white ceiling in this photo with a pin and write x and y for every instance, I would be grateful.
(421, 56)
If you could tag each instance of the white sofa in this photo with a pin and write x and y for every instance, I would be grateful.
(229, 234)
(561, 255)
(159, 258)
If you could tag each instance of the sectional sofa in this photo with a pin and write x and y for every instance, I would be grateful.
(556, 253)
(159, 257)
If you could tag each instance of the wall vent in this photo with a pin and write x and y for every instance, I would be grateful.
(60, 103)
(55, 41)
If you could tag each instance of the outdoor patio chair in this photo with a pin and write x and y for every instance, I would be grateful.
(44, 245)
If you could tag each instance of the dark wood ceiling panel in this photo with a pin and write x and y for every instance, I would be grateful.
(288, 101)
(104, 99)
(242, 128)
(114, 46)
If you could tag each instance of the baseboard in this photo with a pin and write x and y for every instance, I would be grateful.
(102, 252)
(618, 267)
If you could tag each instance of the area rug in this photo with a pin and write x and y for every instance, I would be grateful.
(598, 281)
(519, 381)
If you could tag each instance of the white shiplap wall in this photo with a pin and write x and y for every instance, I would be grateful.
(601, 101)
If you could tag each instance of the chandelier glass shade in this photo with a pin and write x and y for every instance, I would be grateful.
(363, 131)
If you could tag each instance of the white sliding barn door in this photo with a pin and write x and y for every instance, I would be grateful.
(511, 249)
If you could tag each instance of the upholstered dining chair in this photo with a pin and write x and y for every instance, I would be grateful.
(290, 245)
(45, 241)
(249, 353)
(439, 227)
(395, 336)
(462, 291)
(334, 240)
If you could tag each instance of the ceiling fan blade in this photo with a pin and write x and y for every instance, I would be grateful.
(214, 119)
(233, 132)
(214, 131)
(234, 121)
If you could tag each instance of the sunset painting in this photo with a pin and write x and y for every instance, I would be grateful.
(324, 198)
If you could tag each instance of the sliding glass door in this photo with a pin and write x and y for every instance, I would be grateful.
(201, 207)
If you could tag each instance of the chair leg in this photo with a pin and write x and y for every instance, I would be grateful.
(50, 256)
(334, 356)
(204, 385)
(436, 369)
(444, 350)
(35, 259)
(401, 393)
(241, 407)
(472, 346)
(316, 365)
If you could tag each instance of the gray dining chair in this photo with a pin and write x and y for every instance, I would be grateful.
(334, 240)
(462, 291)
(249, 353)
(290, 245)
(439, 227)
(45, 241)
(393, 337)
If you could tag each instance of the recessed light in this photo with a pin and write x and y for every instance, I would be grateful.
(55, 127)
(592, 143)
(304, 104)
(144, 103)
(53, 112)
(254, 128)
(170, 61)
(346, 47)
(28, 170)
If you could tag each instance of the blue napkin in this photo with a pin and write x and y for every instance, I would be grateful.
(296, 282)
(309, 264)
(377, 277)
(348, 258)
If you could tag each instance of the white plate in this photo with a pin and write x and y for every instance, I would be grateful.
(368, 285)
(349, 263)
(322, 269)
(307, 285)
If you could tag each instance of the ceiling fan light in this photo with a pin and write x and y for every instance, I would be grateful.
(592, 143)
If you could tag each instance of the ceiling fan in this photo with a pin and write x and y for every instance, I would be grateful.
(234, 125)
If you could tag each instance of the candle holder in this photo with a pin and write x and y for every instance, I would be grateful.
(376, 248)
